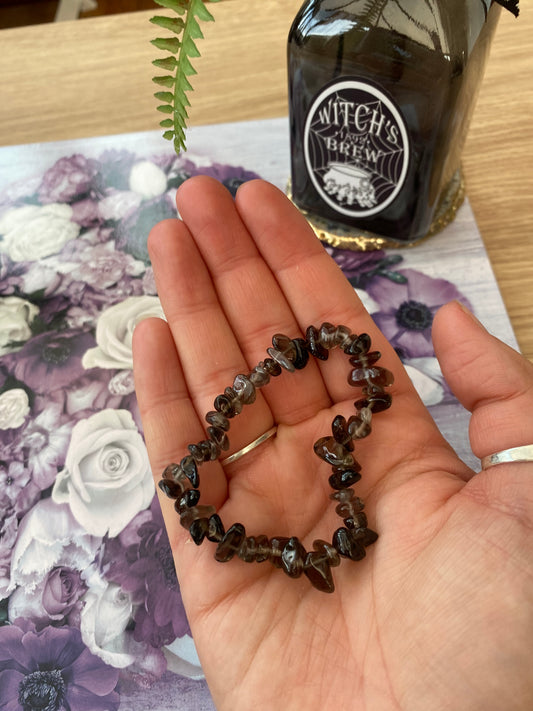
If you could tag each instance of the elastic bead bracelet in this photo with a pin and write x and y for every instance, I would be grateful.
(181, 481)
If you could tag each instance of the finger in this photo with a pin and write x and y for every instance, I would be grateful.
(169, 417)
(248, 292)
(209, 353)
(488, 377)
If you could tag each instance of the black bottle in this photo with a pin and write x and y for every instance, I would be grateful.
(381, 94)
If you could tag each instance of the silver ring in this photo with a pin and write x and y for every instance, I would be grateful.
(515, 454)
(241, 452)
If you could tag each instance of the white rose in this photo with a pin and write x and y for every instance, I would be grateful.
(114, 332)
(105, 614)
(33, 232)
(107, 479)
(49, 537)
(16, 315)
(147, 179)
(14, 408)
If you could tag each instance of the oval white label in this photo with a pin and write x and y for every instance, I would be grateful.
(356, 147)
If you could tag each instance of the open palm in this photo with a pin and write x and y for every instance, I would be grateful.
(438, 615)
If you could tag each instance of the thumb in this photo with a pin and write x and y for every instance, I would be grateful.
(489, 378)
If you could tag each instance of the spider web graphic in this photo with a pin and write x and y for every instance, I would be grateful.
(379, 157)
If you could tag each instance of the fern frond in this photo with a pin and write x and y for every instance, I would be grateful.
(181, 51)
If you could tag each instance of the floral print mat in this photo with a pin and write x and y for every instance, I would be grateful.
(90, 610)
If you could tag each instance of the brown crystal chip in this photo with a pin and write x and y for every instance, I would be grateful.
(198, 530)
(364, 360)
(285, 345)
(379, 402)
(350, 509)
(359, 427)
(190, 498)
(281, 359)
(328, 551)
(191, 514)
(302, 354)
(215, 531)
(317, 570)
(217, 419)
(204, 451)
(173, 489)
(333, 453)
(189, 468)
(259, 376)
(276, 545)
(271, 367)
(236, 402)
(343, 478)
(230, 543)
(339, 429)
(359, 377)
(248, 550)
(293, 557)
(223, 404)
(326, 335)
(360, 344)
(347, 546)
(263, 548)
(245, 389)
(219, 437)
(352, 519)
(313, 344)
(366, 536)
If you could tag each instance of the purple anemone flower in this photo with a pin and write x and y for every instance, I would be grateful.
(407, 309)
(51, 360)
(52, 670)
(145, 569)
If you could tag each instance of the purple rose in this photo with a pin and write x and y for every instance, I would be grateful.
(54, 667)
(102, 266)
(62, 590)
(407, 309)
(68, 179)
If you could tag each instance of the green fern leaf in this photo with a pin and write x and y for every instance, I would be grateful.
(168, 63)
(167, 81)
(166, 96)
(175, 100)
(169, 44)
(177, 5)
(174, 24)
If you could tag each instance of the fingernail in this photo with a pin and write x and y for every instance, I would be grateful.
(469, 313)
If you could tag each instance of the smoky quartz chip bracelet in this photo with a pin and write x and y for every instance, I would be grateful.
(181, 481)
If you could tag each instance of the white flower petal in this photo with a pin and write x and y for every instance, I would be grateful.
(147, 179)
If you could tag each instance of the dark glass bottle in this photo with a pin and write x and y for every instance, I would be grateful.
(381, 93)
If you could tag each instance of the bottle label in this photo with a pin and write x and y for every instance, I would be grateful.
(356, 147)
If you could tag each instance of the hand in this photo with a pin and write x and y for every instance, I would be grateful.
(439, 613)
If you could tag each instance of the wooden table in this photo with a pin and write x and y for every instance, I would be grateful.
(93, 77)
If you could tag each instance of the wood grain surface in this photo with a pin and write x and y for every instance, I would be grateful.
(93, 77)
